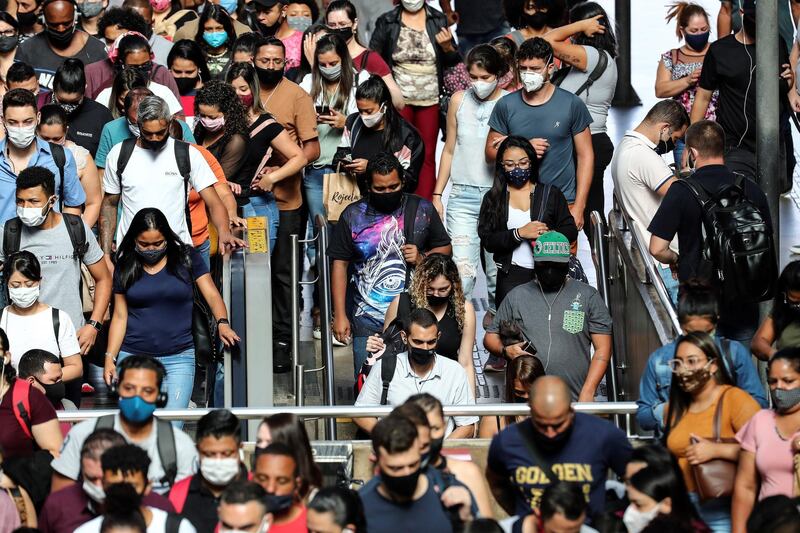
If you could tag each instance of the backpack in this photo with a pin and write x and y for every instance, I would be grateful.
(594, 75)
(21, 405)
(60, 159)
(165, 440)
(391, 336)
(738, 247)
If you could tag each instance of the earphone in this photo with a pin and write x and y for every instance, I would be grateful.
(161, 399)
(746, 91)
(160, 370)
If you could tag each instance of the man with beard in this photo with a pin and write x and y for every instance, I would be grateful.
(555, 121)
(553, 444)
(404, 498)
(564, 318)
(46, 51)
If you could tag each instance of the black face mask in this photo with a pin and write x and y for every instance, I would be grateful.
(537, 21)
(186, 85)
(60, 39)
(386, 202)
(436, 450)
(345, 33)
(55, 392)
(436, 301)
(401, 486)
(7, 44)
(144, 68)
(269, 76)
(665, 147)
(279, 504)
(420, 356)
(520, 399)
(26, 20)
(153, 145)
(749, 24)
(267, 31)
(151, 257)
(552, 445)
(551, 276)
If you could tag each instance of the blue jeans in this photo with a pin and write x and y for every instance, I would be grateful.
(670, 283)
(359, 353)
(205, 252)
(461, 220)
(677, 153)
(312, 184)
(715, 513)
(468, 42)
(179, 381)
(264, 206)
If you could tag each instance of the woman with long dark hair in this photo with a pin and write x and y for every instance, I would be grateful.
(215, 35)
(9, 40)
(582, 45)
(287, 429)
(782, 326)
(521, 372)
(222, 126)
(509, 222)
(533, 18)
(378, 127)
(154, 284)
(188, 66)
(701, 384)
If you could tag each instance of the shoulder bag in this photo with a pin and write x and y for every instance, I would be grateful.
(714, 478)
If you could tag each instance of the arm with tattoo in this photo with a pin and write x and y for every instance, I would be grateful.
(108, 221)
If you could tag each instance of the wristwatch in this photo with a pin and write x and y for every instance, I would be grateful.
(95, 324)
(223, 321)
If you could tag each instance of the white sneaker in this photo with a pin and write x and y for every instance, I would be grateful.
(795, 249)
(337, 342)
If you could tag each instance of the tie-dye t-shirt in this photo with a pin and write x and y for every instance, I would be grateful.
(372, 243)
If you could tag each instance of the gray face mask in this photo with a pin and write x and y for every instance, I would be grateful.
(331, 73)
(784, 400)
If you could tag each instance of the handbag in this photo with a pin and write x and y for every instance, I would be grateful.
(87, 289)
(204, 330)
(339, 189)
(714, 479)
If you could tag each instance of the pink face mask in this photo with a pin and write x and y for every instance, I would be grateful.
(213, 124)
(160, 5)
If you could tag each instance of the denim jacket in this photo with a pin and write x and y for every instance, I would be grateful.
(657, 378)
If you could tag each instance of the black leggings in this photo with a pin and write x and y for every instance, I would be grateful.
(515, 277)
(603, 152)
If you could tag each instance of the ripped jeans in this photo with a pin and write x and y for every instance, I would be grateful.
(461, 220)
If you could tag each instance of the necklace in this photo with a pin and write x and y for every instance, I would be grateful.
(272, 93)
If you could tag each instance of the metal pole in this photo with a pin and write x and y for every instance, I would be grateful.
(768, 110)
(299, 386)
(624, 95)
(295, 295)
(326, 342)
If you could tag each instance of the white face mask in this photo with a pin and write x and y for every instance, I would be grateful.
(33, 216)
(374, 119)
(484, 88)
(21, 137)
(412, 5)
(636, 520)
(533, 81)
(24, 297)
(219, 472)
(94, 492)
(134, 129)
(263, 528)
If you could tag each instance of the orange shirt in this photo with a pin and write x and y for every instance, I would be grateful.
(197, 207)
(737, 409)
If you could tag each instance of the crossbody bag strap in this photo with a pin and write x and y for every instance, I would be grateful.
(718, 416)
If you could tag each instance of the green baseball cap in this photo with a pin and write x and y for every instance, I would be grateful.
(551, 246)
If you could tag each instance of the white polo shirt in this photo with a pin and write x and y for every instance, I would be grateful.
(639, 172)
(447, 382)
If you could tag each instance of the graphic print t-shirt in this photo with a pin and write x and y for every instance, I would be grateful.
(372, 242)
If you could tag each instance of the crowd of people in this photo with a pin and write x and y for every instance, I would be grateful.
(140, 134)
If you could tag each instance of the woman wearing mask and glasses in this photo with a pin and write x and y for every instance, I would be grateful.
(9, 40)
(188, 66)
(782, 327)
(215, 35)
(515, 212)
(768, 462)
(700, 386)
(342, 19)
(679, 69)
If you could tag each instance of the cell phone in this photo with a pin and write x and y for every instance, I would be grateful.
(323, 109)
(529, 347)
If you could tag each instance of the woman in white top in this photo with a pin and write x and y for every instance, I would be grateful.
(32, 324)
(464, 163)
(53, 128)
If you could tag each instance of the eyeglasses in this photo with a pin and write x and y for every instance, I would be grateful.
(522, 163)
(8, 33)
(677, 365)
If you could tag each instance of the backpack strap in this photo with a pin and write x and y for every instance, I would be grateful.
(56, 329)
(105, 422)
(60, 159)
(173, 524)
(165, 441)
(558, 76)
(596, 73)
(409, 221)
(179, 492)
(21, 404)
(727, 360)
(185, 168)
(268, 153)
(526, 432)
(388, 364)
(77, 235)
(125, 153)
(364, 58)
(12, 236)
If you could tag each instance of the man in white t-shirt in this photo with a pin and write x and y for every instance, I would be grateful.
(642, 177)
(152, 178)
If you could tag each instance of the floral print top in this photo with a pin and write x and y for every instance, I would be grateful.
(680, 70)
(415, 67)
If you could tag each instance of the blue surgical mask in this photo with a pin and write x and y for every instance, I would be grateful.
(135, 409)
(215, 39)
(229, 5)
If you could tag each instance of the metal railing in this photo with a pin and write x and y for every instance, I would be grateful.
(323, 281)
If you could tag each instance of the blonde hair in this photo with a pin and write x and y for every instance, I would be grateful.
(682, 12)
(433, 266)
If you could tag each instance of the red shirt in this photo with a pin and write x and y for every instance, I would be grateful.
(375, 63)
(12, 438)
(298, 525)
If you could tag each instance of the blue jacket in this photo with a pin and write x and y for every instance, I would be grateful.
(657, 378)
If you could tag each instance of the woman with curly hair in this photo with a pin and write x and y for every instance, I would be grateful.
(222, 125)
(436, 286)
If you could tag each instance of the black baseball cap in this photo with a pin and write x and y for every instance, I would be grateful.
(749, 6)
(266, 3)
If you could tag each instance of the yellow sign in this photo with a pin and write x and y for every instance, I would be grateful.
(256, 222)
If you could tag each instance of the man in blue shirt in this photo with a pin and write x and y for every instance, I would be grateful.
(697, 311)
(22, 149)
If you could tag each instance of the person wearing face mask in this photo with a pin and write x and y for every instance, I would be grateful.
(702, 398)
(657, 496)
(679, 69)
(295, 16)
(779, 328)
(404, 496)
(153, 298)
(698, 310)
(533, 18)
(90, 12)
(372, 235)
(215, 35)
(767, 462)
(680, 214)
(437, 286)
(46, 51)
(159, 44)
(43, 371)
(336, 510)
(219, 445)
(9, 40)
(139, 389)
(520, 375)
(125, 483)
(463, 163)
(277, 473)
(562, 510)
(414, 40)
(559, 436)
(29, 16)
(554, 121)
(421, 369)
(169, 16)
(27, 318)
(562, 317)
(188, 66)
(242, 509)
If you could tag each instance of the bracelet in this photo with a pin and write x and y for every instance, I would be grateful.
(437, 194)
(112, 356)
(223, 321)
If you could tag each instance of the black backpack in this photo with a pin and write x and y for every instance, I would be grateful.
(60, 159)
(738, 247)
